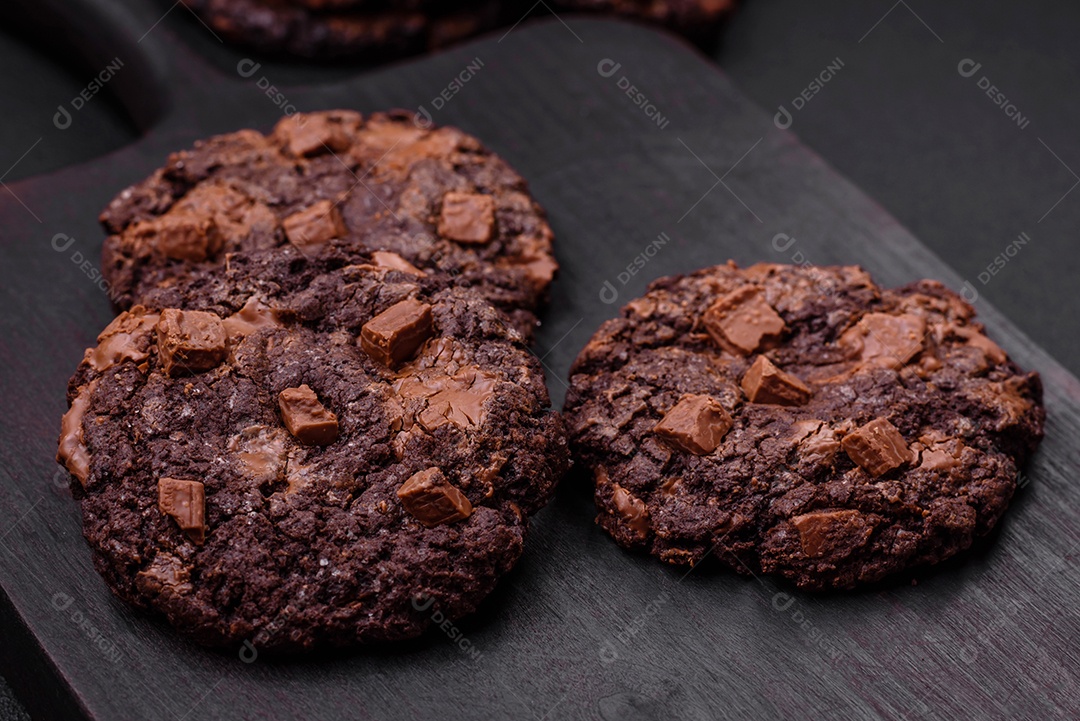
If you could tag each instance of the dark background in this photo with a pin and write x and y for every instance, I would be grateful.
(897, 118)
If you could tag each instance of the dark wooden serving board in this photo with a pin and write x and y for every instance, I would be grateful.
(580, 629)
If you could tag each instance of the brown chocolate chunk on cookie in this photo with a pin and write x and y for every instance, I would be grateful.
(765, 383)
(306, 418)
(695, 424)
(189, 341)
(432, 500)
(801, 422)
(395, 334)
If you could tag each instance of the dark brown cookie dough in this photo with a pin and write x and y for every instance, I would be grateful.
(314, 469)
(335, 185)
(697, 19)
(368, 30)
(800, 422)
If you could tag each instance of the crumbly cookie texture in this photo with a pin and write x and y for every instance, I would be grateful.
(697, 19)
(335, 186)
(801, 422)
(357, 29)
(316, 469)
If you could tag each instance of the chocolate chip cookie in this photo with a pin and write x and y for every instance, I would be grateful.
(372, 31)
(336, 184)
(801, 422)
(315, 469)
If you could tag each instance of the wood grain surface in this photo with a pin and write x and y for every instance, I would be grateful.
(580, 629)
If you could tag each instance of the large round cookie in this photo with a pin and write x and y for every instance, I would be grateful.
(259, 477)
(371, 30)
(338, 184)
(800, 422)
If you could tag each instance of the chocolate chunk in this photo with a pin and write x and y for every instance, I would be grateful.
(457, 399)
(877, 447)
(817, 442)
(261, 451)
(308, 135)
(938, 459)
(432, 500)
(72, 450)
(938, 452)
(127, 338)
(185, 501)
(314, 225)
(393, 261)
(633, 511)
(166, 575)
(832, 533)
(696, 424)
(742, 321)
(886, 340)
(540, 270)
(972, 337)
(467, 217)
(765, 383)
(179, 236)
(395, 334)
(190, 341)
(306, 418)
(254, 316)
(238, 219)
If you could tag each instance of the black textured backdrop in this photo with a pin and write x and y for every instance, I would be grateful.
(898, 118)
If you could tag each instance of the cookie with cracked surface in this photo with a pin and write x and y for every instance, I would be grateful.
(275, 477)
(371, 31)
(336, 185)
(801, 422)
